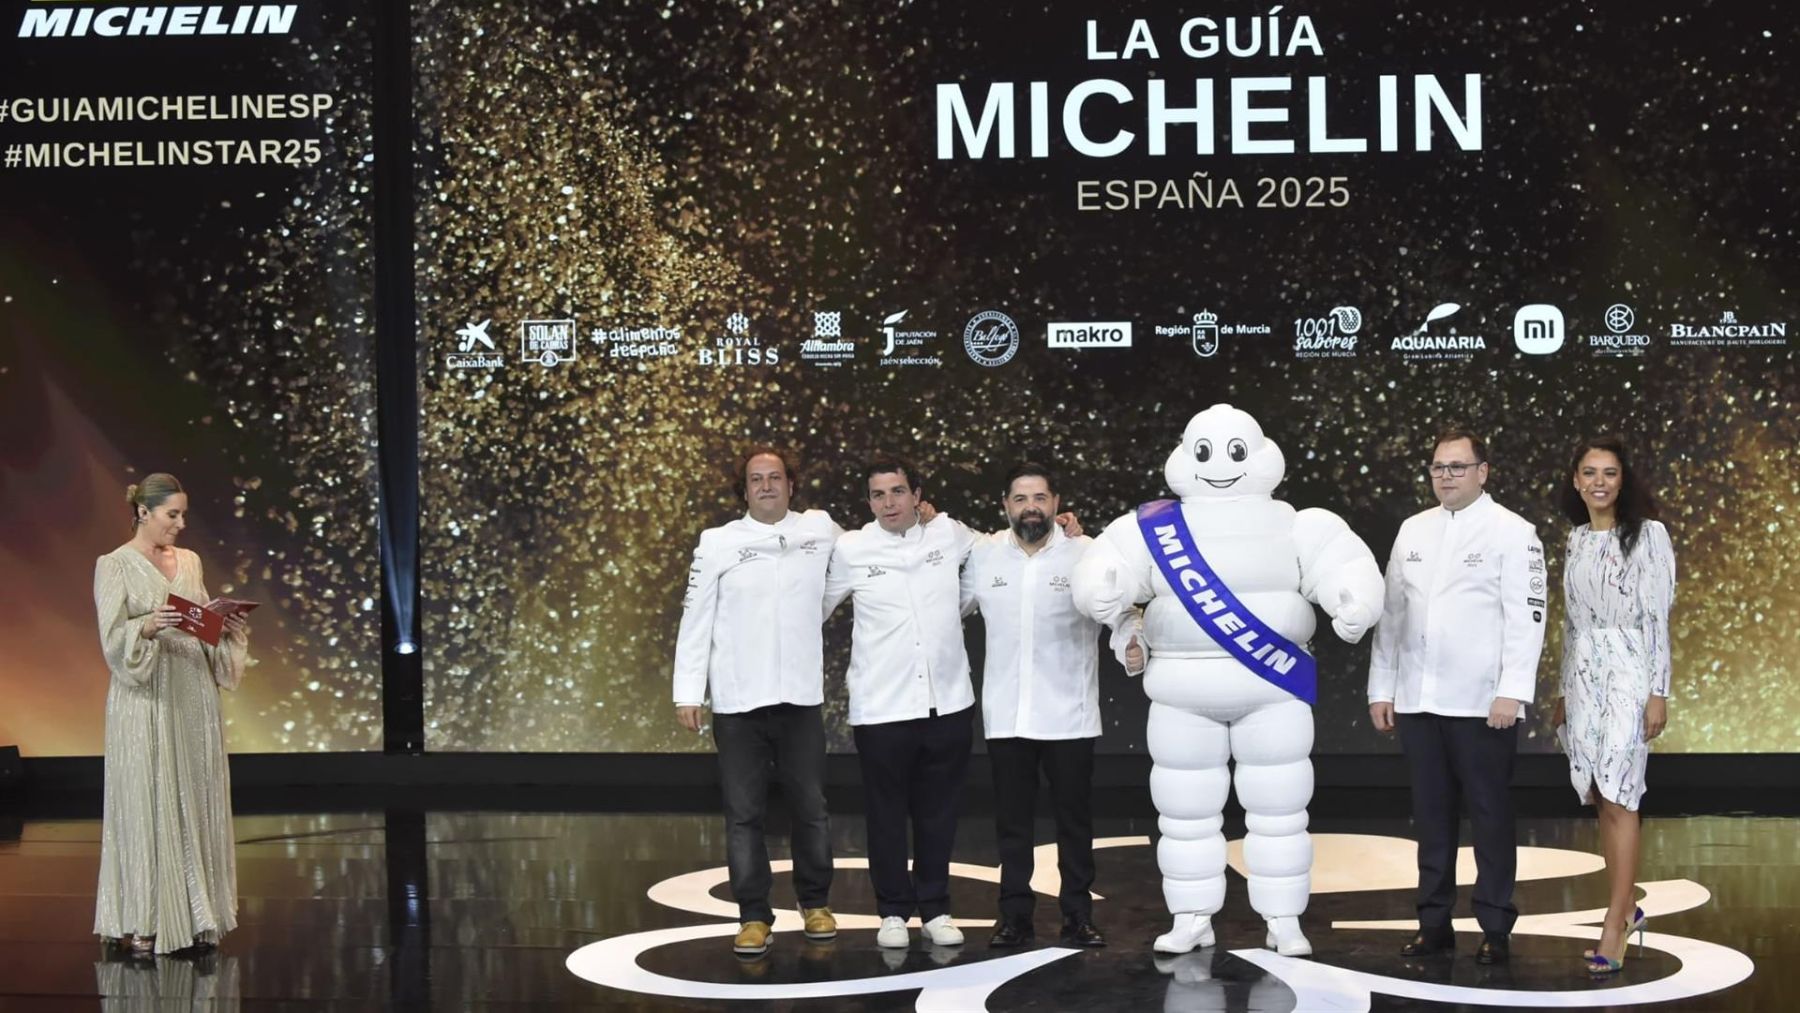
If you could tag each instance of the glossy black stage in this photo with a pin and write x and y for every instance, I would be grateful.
(444, 909)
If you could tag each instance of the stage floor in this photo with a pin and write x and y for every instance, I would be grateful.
(399, 908)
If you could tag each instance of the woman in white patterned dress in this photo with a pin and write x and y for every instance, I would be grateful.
(1618, 585)
(168, 874)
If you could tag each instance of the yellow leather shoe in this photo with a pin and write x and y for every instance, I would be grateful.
(819, 923)
(752, 939)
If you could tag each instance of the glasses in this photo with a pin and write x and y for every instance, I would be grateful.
(1455, 469)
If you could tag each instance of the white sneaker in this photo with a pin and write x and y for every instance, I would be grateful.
(1191, 930)
(941, 932)
(893, 934)
(1286, 938)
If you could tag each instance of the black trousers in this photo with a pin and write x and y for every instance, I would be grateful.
(1068, 764)
(913, 770)
(787, 740)
(1458, 763)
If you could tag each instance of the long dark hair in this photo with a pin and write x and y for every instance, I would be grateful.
(1635, 504)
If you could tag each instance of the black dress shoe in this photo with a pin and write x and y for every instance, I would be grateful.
(1493, 950)
(1081, 932)
(1012, 932)
(1430, 941)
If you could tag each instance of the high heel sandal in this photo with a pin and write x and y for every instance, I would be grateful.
(1599, 964)
(1638, 921)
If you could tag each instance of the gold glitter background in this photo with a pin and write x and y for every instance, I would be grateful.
(214, 322)
(668, 165)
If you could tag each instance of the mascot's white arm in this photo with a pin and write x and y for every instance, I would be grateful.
(1338, 573)
(1114, 574)
(1112, 577)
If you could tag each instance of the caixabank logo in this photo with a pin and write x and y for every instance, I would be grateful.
(75, 19)
(1344, 864)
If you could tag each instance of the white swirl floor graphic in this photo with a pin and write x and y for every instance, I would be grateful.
(1343, 863)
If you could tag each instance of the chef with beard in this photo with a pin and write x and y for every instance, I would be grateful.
(1040, 700)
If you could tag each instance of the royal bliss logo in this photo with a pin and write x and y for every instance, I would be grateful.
(738, 346)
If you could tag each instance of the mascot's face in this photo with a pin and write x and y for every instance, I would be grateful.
(1224, 455)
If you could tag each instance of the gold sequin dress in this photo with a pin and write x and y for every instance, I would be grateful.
(167, 866)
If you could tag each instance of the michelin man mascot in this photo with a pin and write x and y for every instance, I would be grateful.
(1230, 575)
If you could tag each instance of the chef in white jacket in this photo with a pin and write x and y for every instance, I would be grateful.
(750, 640)
(1453, 665)
(911, 701)
(1040, 700)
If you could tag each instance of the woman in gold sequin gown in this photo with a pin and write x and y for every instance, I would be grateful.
(168, 874)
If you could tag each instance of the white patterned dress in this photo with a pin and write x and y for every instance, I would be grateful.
(1615, 656)
(167, 867)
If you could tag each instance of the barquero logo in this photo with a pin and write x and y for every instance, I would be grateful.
(991, 338)
(107, 21)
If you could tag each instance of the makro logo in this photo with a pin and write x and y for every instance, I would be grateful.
(1538, 329)
(41, 21)
(1090, 335)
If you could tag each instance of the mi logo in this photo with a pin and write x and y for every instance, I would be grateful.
(1538, 329)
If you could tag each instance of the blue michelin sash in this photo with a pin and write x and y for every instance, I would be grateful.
(1233, 627)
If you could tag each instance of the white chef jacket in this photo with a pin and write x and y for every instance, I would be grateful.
(750, 619)
(1041, 678)
(1463, 619)
(906, 648)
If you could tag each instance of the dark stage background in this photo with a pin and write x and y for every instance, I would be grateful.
(712, 215)
(645, 235)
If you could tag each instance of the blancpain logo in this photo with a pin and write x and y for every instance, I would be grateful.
(1728, 332)
(1090, 335)
(43, 22)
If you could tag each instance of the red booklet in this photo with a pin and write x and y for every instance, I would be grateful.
(207, 622)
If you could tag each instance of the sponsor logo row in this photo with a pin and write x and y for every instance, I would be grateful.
(992, 338)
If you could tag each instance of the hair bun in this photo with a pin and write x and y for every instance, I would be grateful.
(131, 493)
